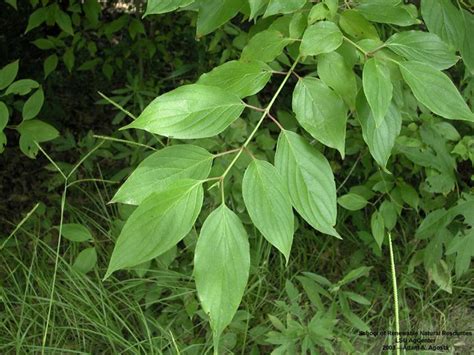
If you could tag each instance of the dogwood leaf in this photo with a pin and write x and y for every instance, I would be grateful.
(310, 181)
(268, 204)
(221, 267)
(190, 111)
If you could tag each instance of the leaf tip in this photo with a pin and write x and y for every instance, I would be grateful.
(107, 275)
(126, 127)
(335, 234)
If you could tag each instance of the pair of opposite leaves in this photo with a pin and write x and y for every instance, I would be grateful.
(269, 194)
(167, 186)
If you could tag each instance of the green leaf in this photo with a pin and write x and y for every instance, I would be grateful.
(3, 141)
(89, 65)
(388, 211)
(422, 47)
(43, 43)
(75, 232)
(435, 90)
(317, 13)
(221, 267)
(35, 131)
(12, 3)
(268, 204)
(432, 223)
(163, 168)
(310, 181)
(154, 7)
(441, 275)
(92, 11)
(320, 112)
(409, 195)
(433, 252)
(467, 48)
(297, 25)
(64, 22)
(356, 321)
(381, 139)
(465, 208)
(312, 291)
(4, 115)
(85, 261)
(108, 70)
(50, 65)
(283, 7)
(116, 25)
(463, 246)
(265, 46)
(352, 201)
(158, 224)
(38, 130)
(33, 105)
(377, 88)
(21, 87)
(214, 13)
(457, 244)
(444, 19)
(332, 6)
(322, 37)
(334, 72)
(240, 78)
(389, 11)
(136, 27)
(255, 7)
(362, 271)
(69, 58)
(190, 111)
(378, 228)
(356, 26)
(37, 18)
(8, 74)
(357, 298)
(322, 325)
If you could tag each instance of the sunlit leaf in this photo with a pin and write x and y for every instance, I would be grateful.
(190, 111)
(322, 37)
(309, 180)
(435, 90)
(265, 46)
(221, 267)
(422, 47)
(321, 112)
(241, 78)
(154, 7)
(33, 105)
(163, 168)
(377, 88)
(75, 232)
(159, 223)
(268, 204)
(214, 13)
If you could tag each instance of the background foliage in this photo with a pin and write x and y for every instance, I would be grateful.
(395, 146)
